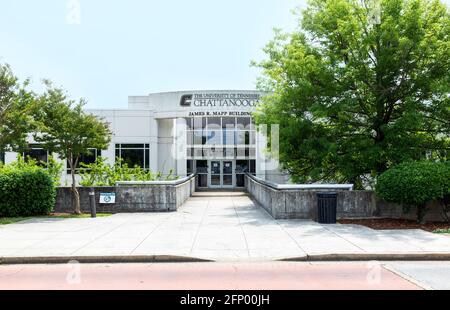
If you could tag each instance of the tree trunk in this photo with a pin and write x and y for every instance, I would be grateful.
(75, 194)
(421, 212)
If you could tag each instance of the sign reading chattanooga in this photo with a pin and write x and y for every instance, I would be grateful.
(220, 100)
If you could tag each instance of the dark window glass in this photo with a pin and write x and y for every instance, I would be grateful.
(227, 180)
(202, 166)
(86, 159)
(133, 158)
(134, 155)
(190, 167)
(253, 166)
(189, 124)
(242, 166)
(202, 180)
(240, 180)
(38, 154)
(134, 146)
(247, 137)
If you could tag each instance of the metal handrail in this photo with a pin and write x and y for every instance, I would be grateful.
(276, 186)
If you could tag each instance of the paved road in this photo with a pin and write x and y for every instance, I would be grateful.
(223, 276)
(226, 228)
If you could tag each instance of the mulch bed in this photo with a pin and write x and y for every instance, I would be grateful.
(383, 224)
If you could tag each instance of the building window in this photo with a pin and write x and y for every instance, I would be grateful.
(36, 152)
(134, 155)
(85, 159)
(190, 167)
(221, 133)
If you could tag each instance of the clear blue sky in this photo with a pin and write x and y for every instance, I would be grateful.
(135, 47)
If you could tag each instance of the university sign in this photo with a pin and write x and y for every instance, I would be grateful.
(214, 100)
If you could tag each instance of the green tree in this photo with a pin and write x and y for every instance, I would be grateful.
(65, 129)
(361, 86)
(16, 109)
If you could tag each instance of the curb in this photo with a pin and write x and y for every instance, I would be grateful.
(370, 257)
(100, 259)
(183, 259)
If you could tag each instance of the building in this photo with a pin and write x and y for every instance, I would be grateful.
(210, 133)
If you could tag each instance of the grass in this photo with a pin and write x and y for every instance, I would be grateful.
(442, 231)
(12, 220)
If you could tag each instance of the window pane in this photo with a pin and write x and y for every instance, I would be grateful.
(240, 137)
(39, 155)
(227, 180)
(199, 123)
(243, 123)
(253, 138)
(252, 166)
(228, 137)
(214, 137)
(202, 180)
(214, 123)
(133, 158)
(189, 124)
(198, 137)
(228, 152)
(240, 180)
(202, 166)
(147, 159)
(190, 167)
(133, 146)
(229, 123)
(247, 137)
(189, 137)
(242, 166)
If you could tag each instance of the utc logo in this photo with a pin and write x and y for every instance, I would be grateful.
(186, 100)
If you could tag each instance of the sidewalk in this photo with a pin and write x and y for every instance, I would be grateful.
(226, 228)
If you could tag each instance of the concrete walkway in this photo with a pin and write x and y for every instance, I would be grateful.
(225, 227)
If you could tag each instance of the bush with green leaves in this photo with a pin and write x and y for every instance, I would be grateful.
(25, 190)
(101, 173)
(415, 184)
(52, 167)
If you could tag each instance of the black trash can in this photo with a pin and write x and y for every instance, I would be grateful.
(327, 208)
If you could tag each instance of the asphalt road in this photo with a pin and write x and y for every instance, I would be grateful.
(229, 276)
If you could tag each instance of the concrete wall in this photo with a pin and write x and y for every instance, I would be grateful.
(150, 198)
(302, 204)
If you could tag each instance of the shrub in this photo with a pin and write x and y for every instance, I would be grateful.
(415, 184)
(103, 174)
(26, 191)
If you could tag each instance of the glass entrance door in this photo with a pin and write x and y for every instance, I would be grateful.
(215, 179)
(221, 174)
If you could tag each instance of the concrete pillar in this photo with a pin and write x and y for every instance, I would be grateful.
(180, 146)
(154, 134)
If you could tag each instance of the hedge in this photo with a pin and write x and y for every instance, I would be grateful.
(415, 184)
(27, 191)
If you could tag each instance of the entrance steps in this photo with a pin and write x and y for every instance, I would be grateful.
(219, 193)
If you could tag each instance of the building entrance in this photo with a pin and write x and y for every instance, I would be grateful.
(221, 174)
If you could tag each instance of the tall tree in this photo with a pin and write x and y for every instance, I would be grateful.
(362, 85)
(64, 128)
(16, 110)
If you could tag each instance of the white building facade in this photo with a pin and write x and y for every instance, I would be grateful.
(210, 133)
